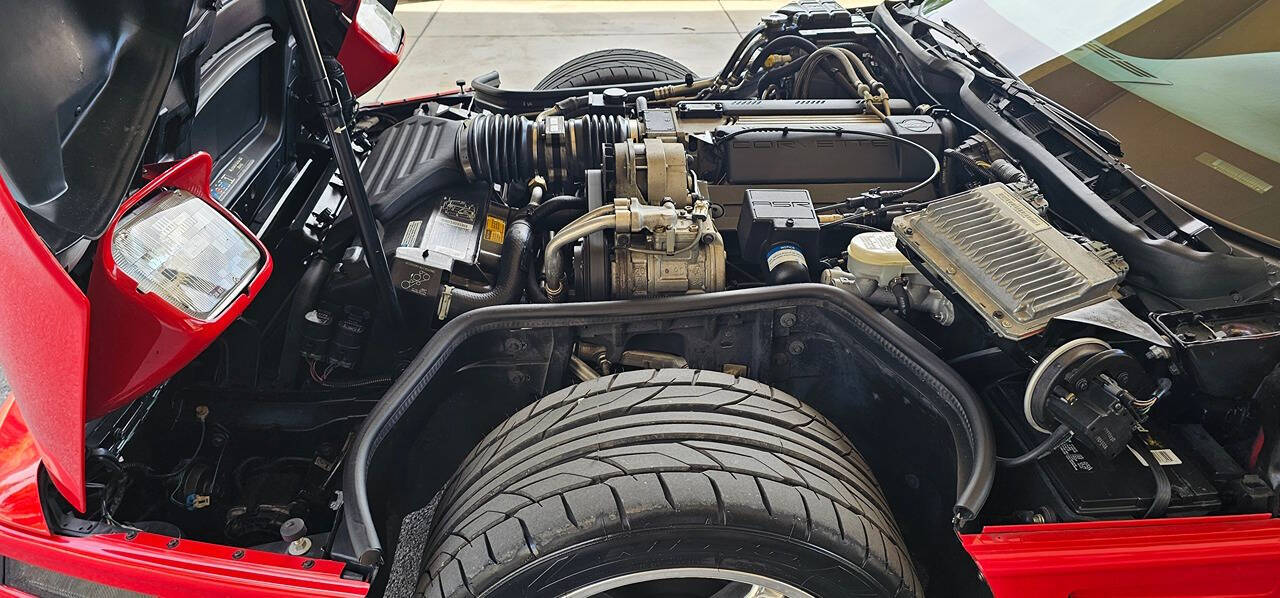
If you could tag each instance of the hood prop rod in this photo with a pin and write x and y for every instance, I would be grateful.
(340, 142)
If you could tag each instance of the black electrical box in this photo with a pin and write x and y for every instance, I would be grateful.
(1228, 349)
(773, 216)
(1093, 486)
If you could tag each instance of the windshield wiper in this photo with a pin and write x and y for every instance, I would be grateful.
(976, 50)
(1009, 81)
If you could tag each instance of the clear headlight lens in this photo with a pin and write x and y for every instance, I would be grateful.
(374, 19)
(180, 248)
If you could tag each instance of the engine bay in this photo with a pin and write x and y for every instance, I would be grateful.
(817, 156)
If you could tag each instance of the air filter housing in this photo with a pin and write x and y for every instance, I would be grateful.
(992, 248)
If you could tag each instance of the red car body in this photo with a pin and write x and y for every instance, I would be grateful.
(43, 320)
(45, 346)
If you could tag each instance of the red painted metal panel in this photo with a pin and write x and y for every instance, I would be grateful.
(139, 340)
(1236, 556)
(44, 330)
(365, 62)
(145, 563)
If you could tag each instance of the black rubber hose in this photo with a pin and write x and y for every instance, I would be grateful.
(1042, 449)
(776, 74)
(740, 66)
(304, 299)
(947, 180)
(533, 284)
(736, 56)
(856, 48)
(786, 41)
(509, 284)
(550, 206)
(539, 217)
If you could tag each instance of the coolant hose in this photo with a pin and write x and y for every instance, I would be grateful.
(538, 220)
(509, 283)
(778, 73)
(553, 262)
(550, 206)
(304, 300)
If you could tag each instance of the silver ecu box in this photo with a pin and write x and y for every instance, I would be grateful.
(1018, 271)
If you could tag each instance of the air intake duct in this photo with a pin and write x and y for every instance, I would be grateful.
(501, 148)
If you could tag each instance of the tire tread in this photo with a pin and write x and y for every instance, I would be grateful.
(615, 65)
(659, 448)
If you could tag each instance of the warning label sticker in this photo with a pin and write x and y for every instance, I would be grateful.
(495, 230)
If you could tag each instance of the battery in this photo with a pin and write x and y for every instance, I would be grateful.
(1087, 486)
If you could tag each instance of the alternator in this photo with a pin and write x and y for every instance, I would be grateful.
(652, 169)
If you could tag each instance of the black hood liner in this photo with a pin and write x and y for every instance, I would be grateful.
(82, 83)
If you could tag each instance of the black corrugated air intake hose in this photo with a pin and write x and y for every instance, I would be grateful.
(501, 148)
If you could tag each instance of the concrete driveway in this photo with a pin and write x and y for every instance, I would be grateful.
(523, 40)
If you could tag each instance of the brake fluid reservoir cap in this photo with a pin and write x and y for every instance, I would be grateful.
(877, 249)
(876, 255)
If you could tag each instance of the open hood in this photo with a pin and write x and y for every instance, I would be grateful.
(81, 83)
(44, 346)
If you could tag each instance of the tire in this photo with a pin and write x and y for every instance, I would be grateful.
(659, 470)
(614, 67)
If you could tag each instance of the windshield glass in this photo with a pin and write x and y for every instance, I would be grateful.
(1190, 87)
